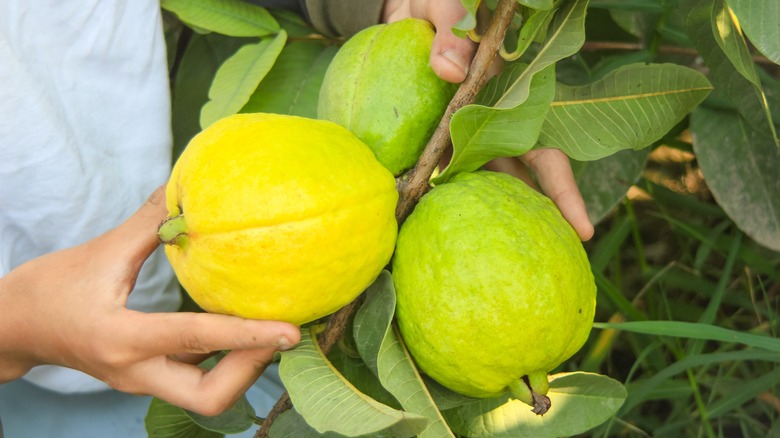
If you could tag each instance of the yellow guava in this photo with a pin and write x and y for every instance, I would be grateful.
(494, 288)
(381, 87)
(278, 217)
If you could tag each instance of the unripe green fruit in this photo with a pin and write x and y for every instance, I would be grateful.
(380, 86)
(494, 288)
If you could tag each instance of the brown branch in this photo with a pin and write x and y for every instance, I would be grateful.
(415, 184)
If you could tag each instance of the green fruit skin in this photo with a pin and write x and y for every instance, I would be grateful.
(492, 284)
(380, 86)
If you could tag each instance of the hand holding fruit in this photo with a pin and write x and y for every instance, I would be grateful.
(68, 308)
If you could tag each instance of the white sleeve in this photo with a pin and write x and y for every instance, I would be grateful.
(84, 135)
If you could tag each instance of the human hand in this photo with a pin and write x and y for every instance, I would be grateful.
(450, 54)
(69, 308)
(556, 180)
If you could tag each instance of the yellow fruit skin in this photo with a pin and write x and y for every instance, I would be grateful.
(287, 218)
(492, 284)
(381, 87)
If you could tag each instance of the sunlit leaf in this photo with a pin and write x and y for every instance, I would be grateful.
(481, 133)
(228, 17)
(238, 78)
(741, 169)
(580, 401)
(745, 96)
(293, 84)
(330, 403)
(758, 20)
(630, 108)
(729, 38)
(381, 347)
(565, 36)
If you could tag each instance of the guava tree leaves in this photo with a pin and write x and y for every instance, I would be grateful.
(580, 401)
(199, 64)
(741, 169)
(565, 36)
(290, 89)
(629, 108)
(729, 37)
(235, 18)
(545, 5)
(238, 77)
(164, 420)
(330, 403)
(469, 21)
(604, 183)
(380, 346)
(481, 133)
(758, 19)
(747, 97)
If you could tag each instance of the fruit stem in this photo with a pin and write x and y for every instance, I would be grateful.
(523, 391)
(172, 229)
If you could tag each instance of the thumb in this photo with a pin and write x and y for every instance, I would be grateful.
(450, 55)
(136, 238)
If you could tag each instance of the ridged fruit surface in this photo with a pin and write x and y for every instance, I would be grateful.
(380, 86)
(278, 217)
(493, 285)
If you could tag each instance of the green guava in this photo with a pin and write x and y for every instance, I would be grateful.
(380, 86)
(494, 287)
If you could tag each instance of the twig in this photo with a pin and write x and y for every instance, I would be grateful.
(415, 184)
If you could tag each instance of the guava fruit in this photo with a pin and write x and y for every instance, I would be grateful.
(278, 217)
(494, 288)
(380, 86)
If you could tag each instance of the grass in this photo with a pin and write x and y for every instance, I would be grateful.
(701, 301)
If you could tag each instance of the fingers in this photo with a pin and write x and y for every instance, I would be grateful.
(450, 54)
(556, 180)
(162, 334)
(196, 389)
(135, 239)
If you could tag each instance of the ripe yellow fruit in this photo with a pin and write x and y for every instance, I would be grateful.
(381, 87)
(494, 288)
(278, 217)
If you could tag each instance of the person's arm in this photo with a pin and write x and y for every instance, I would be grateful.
(68, 308)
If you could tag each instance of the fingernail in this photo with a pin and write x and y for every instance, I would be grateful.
(456, 59)
(284, 343)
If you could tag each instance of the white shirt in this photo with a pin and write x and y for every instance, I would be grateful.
(84, 136)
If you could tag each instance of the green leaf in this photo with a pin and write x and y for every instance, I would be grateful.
(481, 133)
(729, 38)
(238, 77)
(330, 403)
(693, 330)
(545, 5)
(164, 420)
(199, 64)
(604, 183)
(758, 19)
(292, 86)
(580, 401)
(741, 169)
(533, 26)
(228, 17)
(381, 347)
(629, 108)
(469, 21)
(565, 36)
(291, 424)
(746, 97)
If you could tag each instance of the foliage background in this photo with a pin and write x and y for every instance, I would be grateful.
(687, 225)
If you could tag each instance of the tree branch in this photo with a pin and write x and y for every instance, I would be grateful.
(415, 183)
